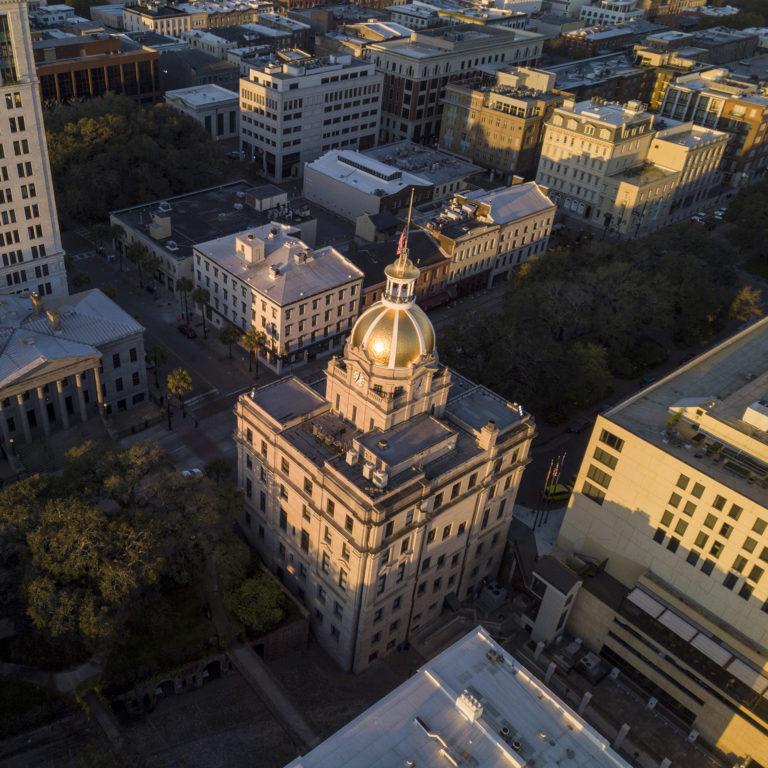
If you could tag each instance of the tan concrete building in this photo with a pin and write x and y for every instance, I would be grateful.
(266, 278)
(487, 235)
(609, 167)
(671, 506)
(498, 122)
(388, 494)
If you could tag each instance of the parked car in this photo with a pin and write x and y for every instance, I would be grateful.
(579, 425)
(187, 331)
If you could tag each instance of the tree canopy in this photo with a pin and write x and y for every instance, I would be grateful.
(572, 320)
(84, 546)
(129, 153)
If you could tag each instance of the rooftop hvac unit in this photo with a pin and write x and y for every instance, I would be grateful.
(368, 470)
(172, 245)
(380, 478)
(352, 457)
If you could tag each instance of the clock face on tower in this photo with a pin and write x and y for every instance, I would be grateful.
(357, 377)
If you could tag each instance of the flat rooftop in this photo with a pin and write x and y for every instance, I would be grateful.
(205, 215)
(201, 95)
(431, 164)
(287, 399)
(472, 705)
(594, 70)
(476, 407)
(609, 114)
(714, 389)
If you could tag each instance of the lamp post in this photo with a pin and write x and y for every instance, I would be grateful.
(168, 408)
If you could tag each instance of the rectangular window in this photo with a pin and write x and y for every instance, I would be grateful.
(348, 523)
(455, 490)
(682, 481)
(305, 540)
(719, 502)
(330, 507)
(400, 573)
(593, 492)
(666, 518)
(326, 563)
(446, 532)
(283, 520)
(605, 458)
(600, 477)
(431, 536)
(381, 583)
(307, 486)
(611, 440)
(343, 579)
(697, 490)
(674, 500)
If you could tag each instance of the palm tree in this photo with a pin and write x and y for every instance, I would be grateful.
(254, 341)
(202, 297)
(180, 384)
(136, 254)
(184, 285)
(149, 263)
(116, 234)
(158, 357)
(229, 335)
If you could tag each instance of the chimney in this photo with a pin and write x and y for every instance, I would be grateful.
(54, 320)
(37, 303)
(517, 180)
(486, 440)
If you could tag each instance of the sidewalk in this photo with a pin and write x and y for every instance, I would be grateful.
(258, 676)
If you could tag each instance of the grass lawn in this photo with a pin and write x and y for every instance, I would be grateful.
(24, 706)
(168, 630)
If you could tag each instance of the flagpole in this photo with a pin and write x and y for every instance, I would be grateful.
(403, 250)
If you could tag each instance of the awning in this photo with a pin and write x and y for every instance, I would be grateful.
(645, 602)
(681, 628)
(748, 675)
(711, 649)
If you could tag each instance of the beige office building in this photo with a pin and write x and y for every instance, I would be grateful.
(386, 491)
(609, 167)
(671, 510)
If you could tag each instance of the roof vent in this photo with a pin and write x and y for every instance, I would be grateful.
(383, 444)
(274, 272)
(54, 320)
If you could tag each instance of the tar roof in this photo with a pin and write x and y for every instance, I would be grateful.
(203, 215)
(477, 406)
(473, 704)
(431, 164)
(287, 399)
(557, 574)
(372, 259)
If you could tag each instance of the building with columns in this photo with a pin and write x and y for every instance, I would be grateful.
(64, 360)
(31, 256)
(383, 493)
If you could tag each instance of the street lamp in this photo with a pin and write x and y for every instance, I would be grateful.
(168, 408)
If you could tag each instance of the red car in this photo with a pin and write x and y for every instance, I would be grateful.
(187, 331)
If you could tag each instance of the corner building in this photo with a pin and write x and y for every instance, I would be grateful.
(671, 503)
(385, 490)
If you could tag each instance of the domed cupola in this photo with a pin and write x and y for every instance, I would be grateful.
(394, 332)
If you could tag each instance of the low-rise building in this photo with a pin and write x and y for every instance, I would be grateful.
(723, 44)
(170, 228)
(216, 108)
(52, 15)
(188, 67)
(666, 65)
(487, 235)
(671, 500)
(607, 165)
(596, 39)
(472, 703)
(85, 67)
(497, 120)
(388, 494)
(165, 19)
(266, 278)
(296, 109)
(64, 360)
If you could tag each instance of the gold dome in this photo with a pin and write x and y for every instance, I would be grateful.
(394, 338)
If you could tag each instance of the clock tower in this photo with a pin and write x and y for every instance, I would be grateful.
(389, 371)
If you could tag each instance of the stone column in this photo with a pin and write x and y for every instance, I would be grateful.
(97, 378)
(4, 428)
(43, 411)
(62, 404)
(80, 396)
(23, 418)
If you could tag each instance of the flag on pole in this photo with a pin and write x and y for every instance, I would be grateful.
(401, 243)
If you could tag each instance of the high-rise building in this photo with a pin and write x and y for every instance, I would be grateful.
(671, 513)
(298, 108)
(30, 243)
(385, 491)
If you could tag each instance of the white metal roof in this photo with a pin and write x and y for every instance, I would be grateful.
(472, 705)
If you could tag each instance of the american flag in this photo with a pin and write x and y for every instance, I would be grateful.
(401, 243)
